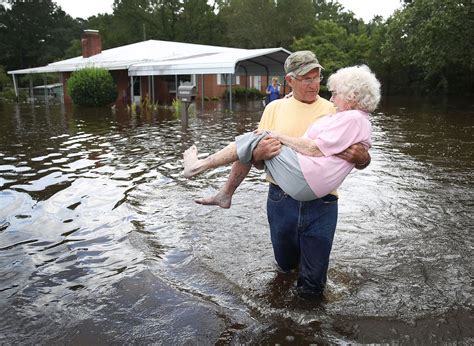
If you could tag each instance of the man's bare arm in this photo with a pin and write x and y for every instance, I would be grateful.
(357, 154)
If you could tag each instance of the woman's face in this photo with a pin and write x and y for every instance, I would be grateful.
(340, 104)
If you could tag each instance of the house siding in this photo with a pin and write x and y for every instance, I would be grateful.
(162, 94)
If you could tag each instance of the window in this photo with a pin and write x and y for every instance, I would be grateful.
(256, 82)
(222, 79)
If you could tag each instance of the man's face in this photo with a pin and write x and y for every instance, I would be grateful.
(302, 90)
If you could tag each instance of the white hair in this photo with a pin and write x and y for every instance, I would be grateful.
(358, 86)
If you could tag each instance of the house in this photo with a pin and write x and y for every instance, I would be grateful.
(153, 69)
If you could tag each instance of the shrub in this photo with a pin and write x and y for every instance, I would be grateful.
(240, 93)
(92, 87)
(8, 94)
(5, 81)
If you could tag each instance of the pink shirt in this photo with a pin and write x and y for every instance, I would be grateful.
(333, 134)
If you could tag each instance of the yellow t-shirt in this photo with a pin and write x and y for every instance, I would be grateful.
(292, 117)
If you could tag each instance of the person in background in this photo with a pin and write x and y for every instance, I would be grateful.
(273, 91)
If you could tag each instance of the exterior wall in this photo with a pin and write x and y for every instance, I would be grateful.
(122, 80)
(212, 89)
(162, 93)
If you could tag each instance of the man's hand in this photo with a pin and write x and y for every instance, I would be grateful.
(266, 149)
(357, 154)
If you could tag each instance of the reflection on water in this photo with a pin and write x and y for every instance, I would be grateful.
(100, 240)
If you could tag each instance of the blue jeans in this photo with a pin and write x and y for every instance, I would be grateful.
(302, 234)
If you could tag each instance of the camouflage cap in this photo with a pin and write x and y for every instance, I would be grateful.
(301, 62)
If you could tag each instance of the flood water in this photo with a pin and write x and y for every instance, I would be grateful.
(100, 241)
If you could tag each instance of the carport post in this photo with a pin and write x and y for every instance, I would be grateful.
(202, 91)
(176, 85)
(131, 90)
(62, 82)
(230, 91)
(149, 88)
(153, 90)
(15, 86)
(45, 90)
(32, 95)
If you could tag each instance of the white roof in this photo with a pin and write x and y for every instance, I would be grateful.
(169, 58)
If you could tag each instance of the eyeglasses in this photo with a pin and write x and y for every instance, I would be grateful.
(308, 81)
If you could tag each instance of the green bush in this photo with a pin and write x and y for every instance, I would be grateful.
(8, 94)
(240, 93)
(5, 81)
(92, 87)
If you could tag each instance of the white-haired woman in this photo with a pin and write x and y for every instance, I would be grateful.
(307, 167)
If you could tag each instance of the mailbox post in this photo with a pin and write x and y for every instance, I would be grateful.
(186, 93)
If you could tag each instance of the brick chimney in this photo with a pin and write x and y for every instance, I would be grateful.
(91, 43)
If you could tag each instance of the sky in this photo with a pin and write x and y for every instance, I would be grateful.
(365, 9)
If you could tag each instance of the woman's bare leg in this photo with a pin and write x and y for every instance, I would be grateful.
(194, 166)
(223, 198)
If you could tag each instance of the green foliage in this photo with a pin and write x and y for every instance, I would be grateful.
(335, 12)
(34, 33)
(92, 87)
(334, 46)
(5, 81)
(260, 13)
(74, 49)
(8, 94)
(193, 21)
(274, 23)
(430, 46)
(177, 105)
(249, 93)
(425, 47)
(198, 23)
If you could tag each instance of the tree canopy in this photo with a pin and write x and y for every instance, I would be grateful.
(35, 33)
(425, 47)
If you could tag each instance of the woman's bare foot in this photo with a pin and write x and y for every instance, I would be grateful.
(221, 199)
(191, 162)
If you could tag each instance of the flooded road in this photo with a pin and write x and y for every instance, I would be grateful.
(100, 241)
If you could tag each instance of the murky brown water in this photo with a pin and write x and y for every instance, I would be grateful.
(100, 240)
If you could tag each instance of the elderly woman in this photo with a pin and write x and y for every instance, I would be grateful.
(307, 167)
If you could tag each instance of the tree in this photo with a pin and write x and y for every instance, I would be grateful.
(5, 81)
(132, 21)
(335, 12)
(237, 14)
(431, 41)
(334, 46)
(294, 19)
(34, 33)
(166, 13)
(198, 23)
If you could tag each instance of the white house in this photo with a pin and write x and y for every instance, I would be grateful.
(153, 69)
